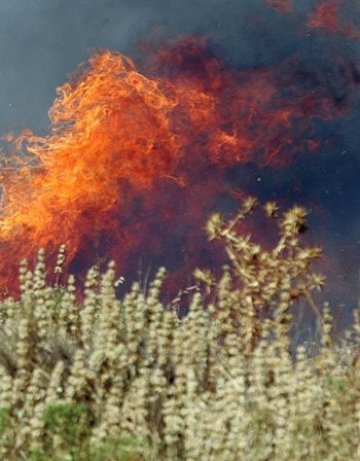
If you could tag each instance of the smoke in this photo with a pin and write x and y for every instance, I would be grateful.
(282, 6)
(333, 17)
(297, 64)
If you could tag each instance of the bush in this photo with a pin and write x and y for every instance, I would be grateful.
(127, 379)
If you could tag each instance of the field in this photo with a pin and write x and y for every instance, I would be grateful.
(95, 376)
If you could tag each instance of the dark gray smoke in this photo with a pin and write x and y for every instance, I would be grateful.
(42, 41)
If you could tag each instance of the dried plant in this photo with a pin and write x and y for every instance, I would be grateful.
(126, 379)
(258, 277)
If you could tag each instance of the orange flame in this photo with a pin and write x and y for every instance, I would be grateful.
(121, 140)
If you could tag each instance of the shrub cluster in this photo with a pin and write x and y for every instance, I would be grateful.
(127, 379)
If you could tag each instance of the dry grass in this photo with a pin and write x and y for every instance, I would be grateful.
(126, 379)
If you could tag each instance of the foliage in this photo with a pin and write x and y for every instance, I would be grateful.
(111, 379)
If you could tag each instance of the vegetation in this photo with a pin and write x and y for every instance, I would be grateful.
(127, 379)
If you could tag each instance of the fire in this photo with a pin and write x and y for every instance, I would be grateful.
(135, 156)
(328, 15)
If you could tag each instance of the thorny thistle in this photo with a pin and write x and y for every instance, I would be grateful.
(258, 273)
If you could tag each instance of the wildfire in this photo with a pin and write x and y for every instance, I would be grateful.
(135, 156)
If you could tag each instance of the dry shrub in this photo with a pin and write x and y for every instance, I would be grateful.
(218, 384)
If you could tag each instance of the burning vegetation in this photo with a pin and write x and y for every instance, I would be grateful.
(135, 160)
(129, 139)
